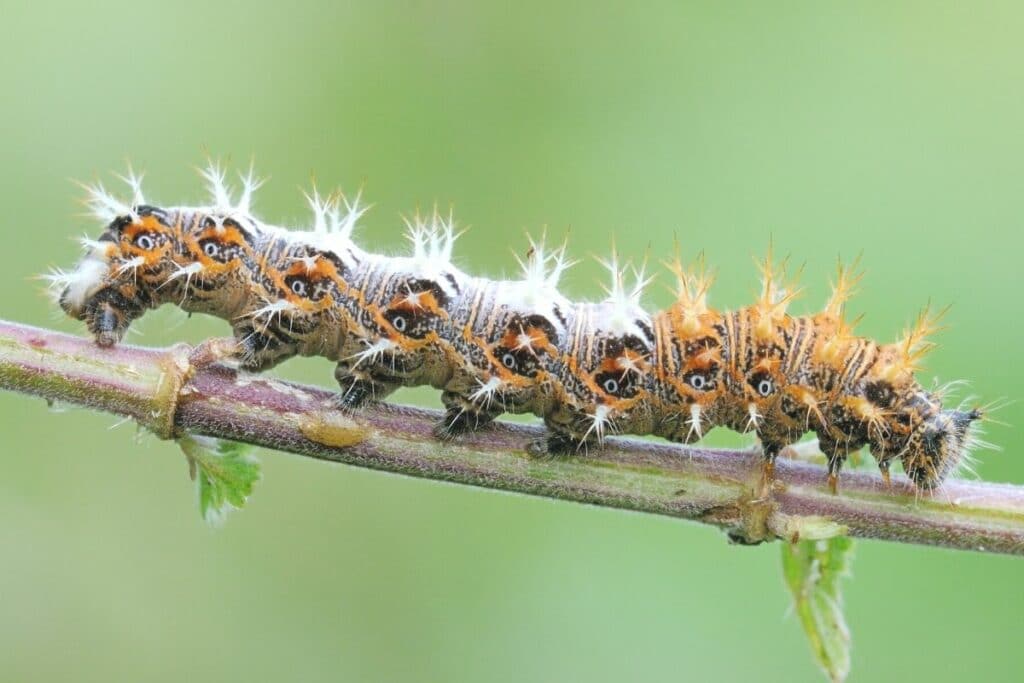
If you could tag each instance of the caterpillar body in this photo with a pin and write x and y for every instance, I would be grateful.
(492, 346)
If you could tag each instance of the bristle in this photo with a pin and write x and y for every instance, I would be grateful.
(271, 310)
(623, 301)
(106, 206)
(947, 390)
(320, 206)
(91, 246)
(333, 226)
(134, 182)
(598, 424)
(486, 391)
(692, 284)
(844, 287)
(343, 223)
(543, 269)
(694, 422)
(57, 281)
(972, 442)
(372, 352)
(986, 410)
(915, 344)
(250, 183)
(845, 328)
(187, 272)
(132, 264)
(309, 262)
(220, 193)
(72, 288)
(777, 290)
(433, 239)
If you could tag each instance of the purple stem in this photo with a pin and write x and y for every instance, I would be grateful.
(180, 389)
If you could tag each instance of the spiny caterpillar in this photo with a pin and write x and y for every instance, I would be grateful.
(519, 346)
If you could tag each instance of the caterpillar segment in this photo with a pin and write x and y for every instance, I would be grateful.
(398, 308)
(689, 359)
(505, 335)
(294, 309)
(603, 372)
(299, 283)
(589, 370)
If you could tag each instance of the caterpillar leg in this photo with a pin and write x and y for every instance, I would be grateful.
(835, 456)
(260, 350)
(883, 467)
(573, 432)
(554, 444)
(359, 386)
(462, 415)
(563, 438)
(769, 451)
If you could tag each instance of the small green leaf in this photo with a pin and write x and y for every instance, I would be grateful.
(224, 472)
(813, 570)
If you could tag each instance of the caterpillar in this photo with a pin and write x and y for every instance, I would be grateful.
(587, 369)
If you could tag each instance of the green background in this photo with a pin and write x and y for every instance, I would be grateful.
(889, 130)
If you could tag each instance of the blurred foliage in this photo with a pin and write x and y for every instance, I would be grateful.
(888, 129)
(813, 570)
(224, 473)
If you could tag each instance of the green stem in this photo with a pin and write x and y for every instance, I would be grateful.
(181, 389)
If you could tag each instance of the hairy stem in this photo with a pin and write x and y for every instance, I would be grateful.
(182, 389)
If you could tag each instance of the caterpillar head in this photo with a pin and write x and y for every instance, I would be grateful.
(119, 274)
(939, 446)
(932, 442)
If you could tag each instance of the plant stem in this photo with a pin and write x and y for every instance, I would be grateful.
(182, 389)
